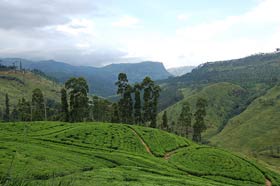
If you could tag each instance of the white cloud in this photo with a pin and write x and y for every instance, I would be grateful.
(232, 37)
(54, 31)
(183, 17)
(76, 27)
(126, 22)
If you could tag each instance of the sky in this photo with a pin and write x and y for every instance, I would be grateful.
(101, 32)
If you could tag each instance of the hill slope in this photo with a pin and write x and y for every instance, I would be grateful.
(223, 100)
(256, 130)
(18, 85)
(261, 68)
(250, 121)
(179, 71)
(114, 154)
(101, 80)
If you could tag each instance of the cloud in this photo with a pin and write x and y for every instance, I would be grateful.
(126, 22)
(39, 13)
(90, 32)
(254, 31)
(183, 17)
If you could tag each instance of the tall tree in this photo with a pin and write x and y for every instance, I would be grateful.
(24, 110)
(137, 104)
(155, 95)
(185, 118)
(7, 109)
(115, 116)
(150, 97)
(128, 105)
(122, 84)
(100, 110)
(14, 115)
(64, 105)
(78, 90)
(125, 102)
(38, 106)
(199, 125)
(147, 85)
(164, 121)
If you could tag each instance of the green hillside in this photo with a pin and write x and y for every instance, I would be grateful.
(56, 153)
(223, 100)
(254, 73)
(18, 84)
(256, 130)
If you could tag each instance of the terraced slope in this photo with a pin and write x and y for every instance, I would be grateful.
(18, 85)
(222, 98)
(56, 153)
(256, 130)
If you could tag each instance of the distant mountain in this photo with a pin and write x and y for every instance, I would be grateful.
(179, 71)
(101, 80)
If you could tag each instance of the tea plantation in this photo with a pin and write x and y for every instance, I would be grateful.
(85, 154)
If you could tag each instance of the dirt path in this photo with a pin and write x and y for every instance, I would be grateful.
(169, 154)
(268, 182)
(142, 141)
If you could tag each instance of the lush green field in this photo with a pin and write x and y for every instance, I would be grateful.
(56, 153)
(18, 85)
(256, 130)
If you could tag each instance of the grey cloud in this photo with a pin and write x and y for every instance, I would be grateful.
(24, 33)
(39, 13)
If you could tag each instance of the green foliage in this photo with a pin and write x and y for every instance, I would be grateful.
(7, 109)
(24, 109)
(56, 153)
(19, 84)
(248, 71)
(213, 162)
(78, 90)
(38, 105)
(100, 110)
(199, 124)
(161, 142)
(64, 105)
(150, 97)
(256, 130)
(164, 124)
(137, 104)
(116, 117)
(185, 118)
(125, 102)
(224, 100)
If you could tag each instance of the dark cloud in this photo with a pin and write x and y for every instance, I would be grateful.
(39, 13)
(27, 30)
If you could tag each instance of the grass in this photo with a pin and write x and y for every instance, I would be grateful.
(161, 142)
(222, 99)
(22, 85)
(56, 153)
(256, 130)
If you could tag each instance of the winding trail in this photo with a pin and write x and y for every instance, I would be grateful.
(168, 155)
(268, 182)
(142, 141)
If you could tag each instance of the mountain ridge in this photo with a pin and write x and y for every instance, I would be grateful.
(101, 80)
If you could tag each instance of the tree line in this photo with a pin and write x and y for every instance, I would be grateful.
(34, 110)
(185, 120)
(137, 104)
